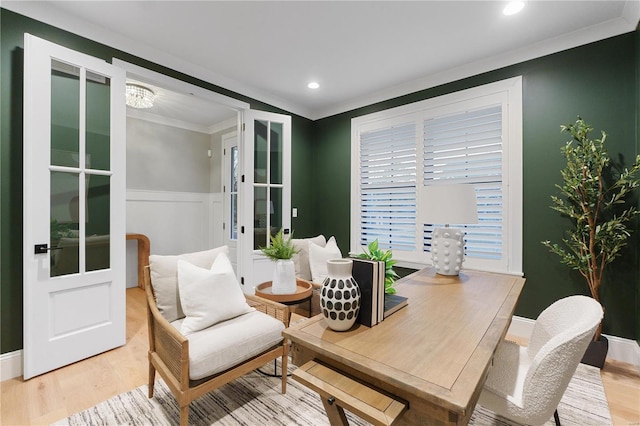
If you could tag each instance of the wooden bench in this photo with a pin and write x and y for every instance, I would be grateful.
(339, 392)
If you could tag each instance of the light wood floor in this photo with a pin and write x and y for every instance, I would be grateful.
(60, 393)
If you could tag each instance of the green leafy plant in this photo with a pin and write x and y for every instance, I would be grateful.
(280, 247)
(375, 253)
(592, 196)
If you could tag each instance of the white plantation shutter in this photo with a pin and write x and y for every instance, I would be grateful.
(473, 136)
(466, 147)
(388, 187)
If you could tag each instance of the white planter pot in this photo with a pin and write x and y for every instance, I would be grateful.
(284, 277)
(340, 295)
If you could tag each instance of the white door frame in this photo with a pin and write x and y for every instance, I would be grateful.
(229, 140)
(170, 83)
(253, 266)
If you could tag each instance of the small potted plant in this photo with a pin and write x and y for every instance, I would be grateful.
(281, 250)
(375, 253)
(593, 197)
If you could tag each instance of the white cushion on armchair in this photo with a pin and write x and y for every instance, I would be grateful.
(318, 257)
(164, 275)
(301, 258)
(230, 342)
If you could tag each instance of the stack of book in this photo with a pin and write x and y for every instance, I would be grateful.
(375, 305)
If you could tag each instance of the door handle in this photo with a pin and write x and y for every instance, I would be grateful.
(43, 249)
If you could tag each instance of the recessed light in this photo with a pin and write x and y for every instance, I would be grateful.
(313, 85)
(513, 7)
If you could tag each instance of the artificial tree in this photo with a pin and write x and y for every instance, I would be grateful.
(594, 196)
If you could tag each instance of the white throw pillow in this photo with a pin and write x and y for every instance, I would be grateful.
(164, 277)
(318, 257)
(301, 258)
(209, 296)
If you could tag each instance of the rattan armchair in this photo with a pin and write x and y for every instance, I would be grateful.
(169, 353)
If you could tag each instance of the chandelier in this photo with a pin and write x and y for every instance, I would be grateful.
(139, 96)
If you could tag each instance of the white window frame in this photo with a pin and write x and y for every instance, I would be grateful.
(506, 92)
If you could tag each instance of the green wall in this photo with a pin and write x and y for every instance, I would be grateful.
(638, 150)
(597, 81)
(12, 27)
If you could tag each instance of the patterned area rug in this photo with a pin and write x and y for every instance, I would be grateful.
(255, 399)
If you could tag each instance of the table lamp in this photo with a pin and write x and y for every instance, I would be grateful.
(441, 205)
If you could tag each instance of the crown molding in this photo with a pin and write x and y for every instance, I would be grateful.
(624, 24)
(43, 12)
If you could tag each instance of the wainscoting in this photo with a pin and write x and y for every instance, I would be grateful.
(175, 222)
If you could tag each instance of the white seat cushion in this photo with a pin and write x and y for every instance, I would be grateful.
(228, 343)
(508, 383)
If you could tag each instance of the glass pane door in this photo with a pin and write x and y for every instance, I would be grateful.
(79, 170)
(268, 183)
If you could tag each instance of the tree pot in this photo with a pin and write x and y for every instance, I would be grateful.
(596, 352)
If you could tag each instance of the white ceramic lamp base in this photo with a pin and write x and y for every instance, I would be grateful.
(447, 250)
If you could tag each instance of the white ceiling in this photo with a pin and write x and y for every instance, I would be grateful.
(360, 52)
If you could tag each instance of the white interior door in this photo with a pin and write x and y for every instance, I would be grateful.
(265, 200)
(231, 178)
(74, 206)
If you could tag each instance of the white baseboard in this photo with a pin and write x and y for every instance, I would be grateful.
(11, 365)
(620, 349)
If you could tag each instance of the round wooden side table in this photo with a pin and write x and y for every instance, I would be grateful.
(304, 291)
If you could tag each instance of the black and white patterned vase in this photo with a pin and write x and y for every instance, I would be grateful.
(340, 295)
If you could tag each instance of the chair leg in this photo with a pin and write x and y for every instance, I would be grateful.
(184, 415)
(152, 379)
(556, 418)
(285, 361)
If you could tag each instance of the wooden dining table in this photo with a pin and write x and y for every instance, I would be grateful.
(430, 358)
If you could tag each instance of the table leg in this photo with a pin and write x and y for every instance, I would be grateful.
(335, 413)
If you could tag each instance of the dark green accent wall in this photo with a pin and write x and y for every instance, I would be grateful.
(12, 27)
(638, 150)
(597, 81)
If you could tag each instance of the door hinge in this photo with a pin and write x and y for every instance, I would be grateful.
(242, 229)
(243, 126)
(224, 225)
(224, 188)
(242, 280)
(242, 179)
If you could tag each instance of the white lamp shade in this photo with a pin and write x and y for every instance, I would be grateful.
(445, 204)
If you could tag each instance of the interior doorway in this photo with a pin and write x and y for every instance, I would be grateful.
(175, 165)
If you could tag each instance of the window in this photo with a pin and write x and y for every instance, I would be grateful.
(473, 136)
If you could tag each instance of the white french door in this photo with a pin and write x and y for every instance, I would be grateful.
(74, 206)
(231, 180)
(265, 200)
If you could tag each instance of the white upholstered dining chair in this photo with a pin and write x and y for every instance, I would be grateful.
(526, 384)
